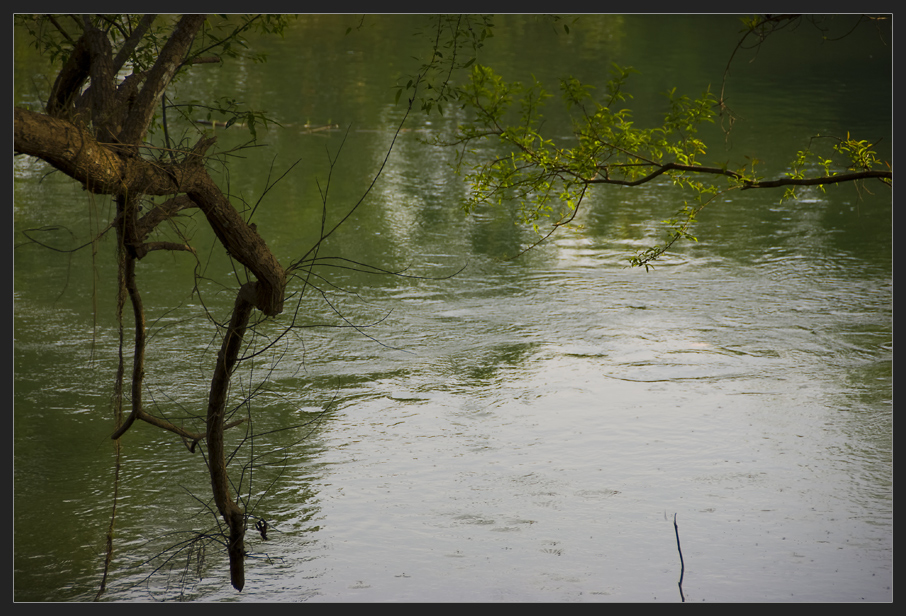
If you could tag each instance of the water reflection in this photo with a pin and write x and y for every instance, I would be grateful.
(522, 431)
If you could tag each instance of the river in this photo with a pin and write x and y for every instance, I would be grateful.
(482, 428)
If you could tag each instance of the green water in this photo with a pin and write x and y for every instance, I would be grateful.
(524, 430)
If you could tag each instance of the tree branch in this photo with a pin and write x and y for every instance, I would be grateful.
(79, 155)
(747, 184)
(69, 81)
(220, 484)
(138, 357)
(821, 181)
(159, 213)
(132, 42)
(159, 77)
(101, 94)
(243, 243)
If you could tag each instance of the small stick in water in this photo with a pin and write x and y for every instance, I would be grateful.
(682, 564)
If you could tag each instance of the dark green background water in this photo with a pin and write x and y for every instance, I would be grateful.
(526, 429)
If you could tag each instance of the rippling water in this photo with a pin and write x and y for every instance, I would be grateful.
(539, 452)
(525, 430)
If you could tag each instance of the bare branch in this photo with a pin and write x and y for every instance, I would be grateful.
(159, 77)
(132, 42)
(226, 361)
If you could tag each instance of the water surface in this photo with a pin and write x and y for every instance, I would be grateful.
(525, 430)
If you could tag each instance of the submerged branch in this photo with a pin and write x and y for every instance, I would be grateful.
(226, 362)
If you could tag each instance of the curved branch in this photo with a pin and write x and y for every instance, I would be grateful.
(243, 243)
(103, 171)
(99, 168)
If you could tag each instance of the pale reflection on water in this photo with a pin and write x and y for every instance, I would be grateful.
(522, 431)
(536, 431)
(539, 453)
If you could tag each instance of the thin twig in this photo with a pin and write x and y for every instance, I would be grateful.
(682, 564)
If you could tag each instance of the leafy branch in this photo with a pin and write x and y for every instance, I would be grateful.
(505, 157)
